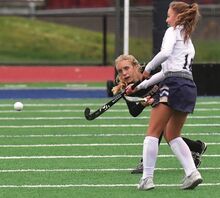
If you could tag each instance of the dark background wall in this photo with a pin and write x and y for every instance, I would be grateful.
(207, 78)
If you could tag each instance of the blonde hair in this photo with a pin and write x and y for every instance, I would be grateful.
(121, 84)
(187, 15)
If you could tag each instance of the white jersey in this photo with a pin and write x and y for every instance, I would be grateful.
(175, 55)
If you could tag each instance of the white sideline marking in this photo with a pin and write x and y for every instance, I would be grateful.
(207, 109)
(95, 170)
(44, 118)
(100, 118)
(210, 102)
(71, 145)
(48, 111)
(83, 145)
(89, 104)
(99, 125)
(95, 185)
(99, 135)
(86, 156)
(57, 104)
(82, 110)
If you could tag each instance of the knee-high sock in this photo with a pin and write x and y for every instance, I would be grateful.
(150, 150)
(160, 138)
(183, 154)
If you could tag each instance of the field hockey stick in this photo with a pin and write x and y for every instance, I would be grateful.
(151, 92)
(135, 99)
(105, 107)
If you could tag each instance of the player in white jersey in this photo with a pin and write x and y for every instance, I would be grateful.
(177, 94)
(130, 71)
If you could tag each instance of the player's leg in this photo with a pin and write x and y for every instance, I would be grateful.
(181, 150)
(197, 149)
(158, 120)
(139, 167)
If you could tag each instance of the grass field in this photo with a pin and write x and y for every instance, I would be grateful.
(28, 41)
(50, 150)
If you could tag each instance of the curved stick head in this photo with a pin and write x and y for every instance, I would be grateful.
(87, 114)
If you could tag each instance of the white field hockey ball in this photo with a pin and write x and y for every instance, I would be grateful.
(18, 106)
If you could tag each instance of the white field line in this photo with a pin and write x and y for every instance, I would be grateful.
(90, 104)
(60, 111)
(95, 170)
(61, 104)
(53, 111)
(86, 156)
(100, 118)
(95, 185)
(85, 145)
(101, 126)
(99, 135)
(81, 111)
(70, 145)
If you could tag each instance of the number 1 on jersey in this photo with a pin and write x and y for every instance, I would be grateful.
(188, 64)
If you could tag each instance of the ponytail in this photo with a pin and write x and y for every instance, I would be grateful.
(187, 16)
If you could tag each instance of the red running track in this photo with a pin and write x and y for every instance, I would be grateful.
(16, 74)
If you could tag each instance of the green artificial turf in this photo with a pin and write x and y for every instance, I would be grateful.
(50, 150)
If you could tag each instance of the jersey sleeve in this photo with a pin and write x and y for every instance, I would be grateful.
(156, 78)
(135, 108)
(168, 43)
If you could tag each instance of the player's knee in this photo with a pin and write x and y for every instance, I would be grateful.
(170, 137)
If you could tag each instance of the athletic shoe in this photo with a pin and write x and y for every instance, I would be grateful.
(138, 169)
(146, 184)
(192, 180)
(196, 158)
(198, 155)
(203, 147)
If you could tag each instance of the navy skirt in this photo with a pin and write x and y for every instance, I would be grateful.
(178, 93)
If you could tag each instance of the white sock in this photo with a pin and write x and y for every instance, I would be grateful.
(183, 154)
(150, 150)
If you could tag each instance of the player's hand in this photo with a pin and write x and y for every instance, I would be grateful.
(129, 90)
(146, 75)
(149, 101)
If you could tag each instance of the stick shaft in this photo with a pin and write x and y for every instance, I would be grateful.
(105, 107)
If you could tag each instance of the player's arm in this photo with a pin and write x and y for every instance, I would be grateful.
(155, 79)
(168, 43)
(135, 108)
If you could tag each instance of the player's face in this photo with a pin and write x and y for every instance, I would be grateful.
(171, 17)
(127, 71)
